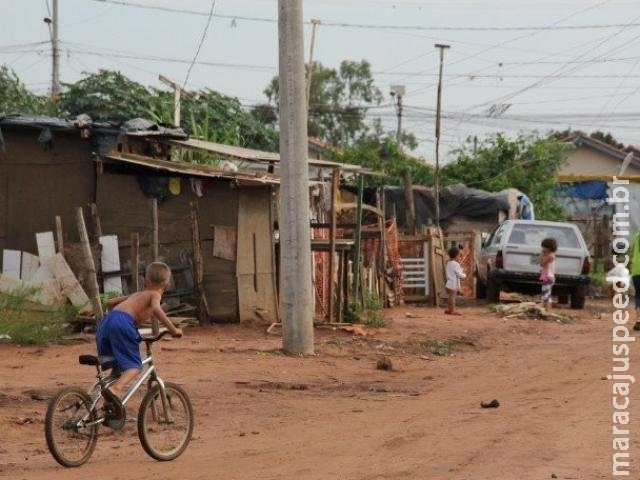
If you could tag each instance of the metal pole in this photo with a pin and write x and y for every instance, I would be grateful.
(295, 234)
(314, 23)
(437, 179)
(55, 54)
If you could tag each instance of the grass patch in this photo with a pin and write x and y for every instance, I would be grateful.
(598, 275)
(369, 314)
(442, 348)
(26, 323)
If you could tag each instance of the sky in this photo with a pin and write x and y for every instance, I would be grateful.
(516, 66)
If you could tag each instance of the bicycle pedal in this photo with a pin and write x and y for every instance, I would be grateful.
(113, 417)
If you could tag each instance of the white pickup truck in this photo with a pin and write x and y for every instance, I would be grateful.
(509, 260)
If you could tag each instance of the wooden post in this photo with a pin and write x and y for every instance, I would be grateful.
(155, 323)
(356, 261)
(154, 226)
(340, 297)
(90, 267)
(59, 239)
(97, 226)
(199, 267)
(335, 185)
(135, 261)
(382, 222)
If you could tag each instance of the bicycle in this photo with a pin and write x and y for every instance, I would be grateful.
(165, 415)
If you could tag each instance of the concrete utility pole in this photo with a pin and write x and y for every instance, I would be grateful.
(295, 233)
(314, 23)
(55, 53)
(437, 182)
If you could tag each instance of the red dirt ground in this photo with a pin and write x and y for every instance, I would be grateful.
(261, 414)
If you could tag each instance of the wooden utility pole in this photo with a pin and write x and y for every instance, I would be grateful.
(295, 234)
(314, 23)
(442, 47)
(178, 91)
(410, 210)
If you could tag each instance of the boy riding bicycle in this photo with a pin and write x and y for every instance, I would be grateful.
(118, 335)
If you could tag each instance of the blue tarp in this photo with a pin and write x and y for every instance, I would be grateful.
(594, 190)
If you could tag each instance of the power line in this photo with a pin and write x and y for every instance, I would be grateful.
(329, 23)
(204, 35)
(270, 68)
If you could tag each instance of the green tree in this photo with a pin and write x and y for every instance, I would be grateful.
(107, 96)
(215, 117)
(380, 152)
(15, 98)
(529, 164)
(339, 101)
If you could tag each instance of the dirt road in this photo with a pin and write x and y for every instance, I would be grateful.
(265, 415)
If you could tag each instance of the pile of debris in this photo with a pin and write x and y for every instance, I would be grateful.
(531, 310)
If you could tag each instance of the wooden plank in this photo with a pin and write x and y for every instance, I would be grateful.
(59, 236)
(90, 274)
(11, 260)
(70, 287)
(257, 298)
(199, 264)
(110, 261)
(30, 264)
(436, 263)
(225, 242)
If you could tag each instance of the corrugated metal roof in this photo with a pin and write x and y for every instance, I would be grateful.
(195, 170)
(260, 156)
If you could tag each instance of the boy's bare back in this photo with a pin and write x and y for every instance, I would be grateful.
(140, 305)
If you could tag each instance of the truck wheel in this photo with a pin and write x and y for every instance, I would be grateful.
(493, 290)
(578, 296)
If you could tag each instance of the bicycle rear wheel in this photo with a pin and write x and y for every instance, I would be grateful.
(165, 435)
(71, 435)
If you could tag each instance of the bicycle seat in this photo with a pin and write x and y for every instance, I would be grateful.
(105, 361)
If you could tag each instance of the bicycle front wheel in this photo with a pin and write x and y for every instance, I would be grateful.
(165, 434)
(70, 427)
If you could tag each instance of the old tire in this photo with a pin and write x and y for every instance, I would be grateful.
(481, 288)
(578, 297)
(493, 289)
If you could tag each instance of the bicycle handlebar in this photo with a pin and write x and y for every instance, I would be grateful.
(157, 337)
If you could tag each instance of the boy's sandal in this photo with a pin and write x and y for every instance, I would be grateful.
(114, 411)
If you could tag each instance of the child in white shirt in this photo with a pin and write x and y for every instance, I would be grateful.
(454, 273)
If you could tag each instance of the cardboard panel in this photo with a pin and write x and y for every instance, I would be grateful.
(110, 261)
(30, 264)
(11, 263)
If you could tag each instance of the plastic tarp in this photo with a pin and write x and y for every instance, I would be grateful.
(455, 200)
(596, 190)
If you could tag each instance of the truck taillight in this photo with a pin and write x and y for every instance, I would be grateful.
(499, 263)
(586, 266)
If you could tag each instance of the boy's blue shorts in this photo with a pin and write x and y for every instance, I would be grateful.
(118, 336)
